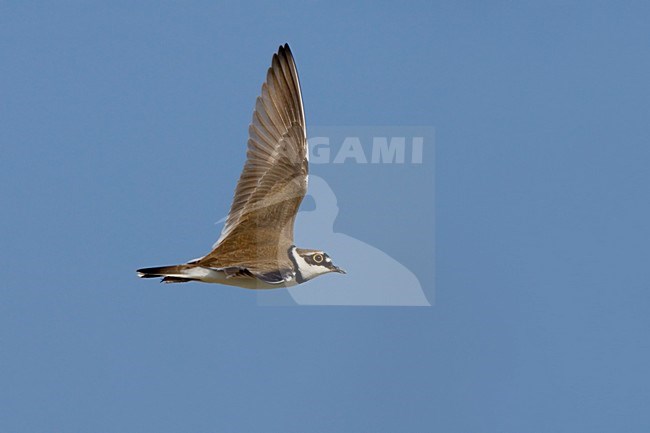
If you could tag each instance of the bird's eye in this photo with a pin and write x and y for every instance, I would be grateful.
(318, 258)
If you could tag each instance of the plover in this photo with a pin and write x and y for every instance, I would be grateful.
(256, 249)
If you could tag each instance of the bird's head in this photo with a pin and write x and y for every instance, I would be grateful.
(312, 263)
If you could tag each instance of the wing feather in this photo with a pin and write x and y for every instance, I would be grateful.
(259, 226)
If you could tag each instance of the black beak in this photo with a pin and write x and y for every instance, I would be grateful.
(339, 270)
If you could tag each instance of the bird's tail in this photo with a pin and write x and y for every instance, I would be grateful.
(169, 274)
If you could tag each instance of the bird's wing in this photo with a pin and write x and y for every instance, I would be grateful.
(274, 179)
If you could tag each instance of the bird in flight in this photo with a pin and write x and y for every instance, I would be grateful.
(256, 249)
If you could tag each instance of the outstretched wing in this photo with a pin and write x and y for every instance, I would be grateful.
(274, 179)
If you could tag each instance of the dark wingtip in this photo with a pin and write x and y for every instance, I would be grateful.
(284, 49)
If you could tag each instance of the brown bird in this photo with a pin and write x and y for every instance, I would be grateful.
(256, 249)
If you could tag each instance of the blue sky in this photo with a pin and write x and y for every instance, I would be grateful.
(122, 129)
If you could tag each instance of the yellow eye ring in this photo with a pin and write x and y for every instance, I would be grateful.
(318, 258)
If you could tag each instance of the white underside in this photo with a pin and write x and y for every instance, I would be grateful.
(215, 276)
